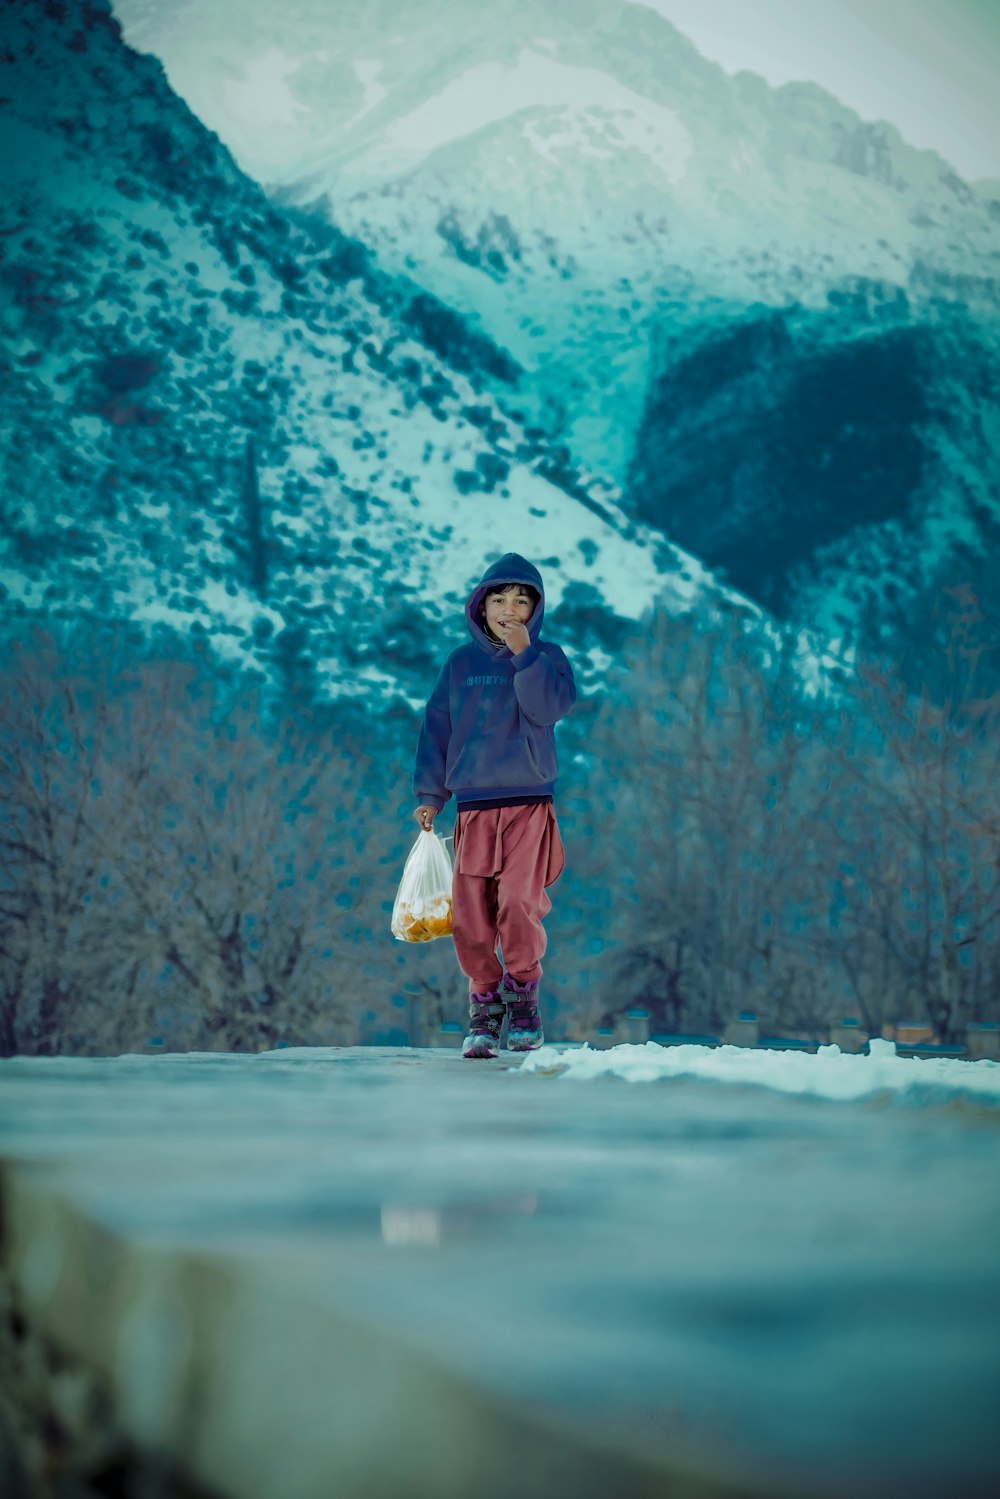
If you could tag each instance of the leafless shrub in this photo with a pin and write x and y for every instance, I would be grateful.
(167, 860)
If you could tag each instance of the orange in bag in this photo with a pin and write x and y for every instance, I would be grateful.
(422, 909)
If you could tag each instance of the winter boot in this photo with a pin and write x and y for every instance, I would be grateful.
(524, 1031)
(486, 1012)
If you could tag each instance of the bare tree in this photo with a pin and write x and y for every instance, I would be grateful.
(52, 752)
(169, 869)
(917, 837)
(800, 855)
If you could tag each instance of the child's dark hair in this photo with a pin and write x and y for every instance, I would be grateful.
(528, 588)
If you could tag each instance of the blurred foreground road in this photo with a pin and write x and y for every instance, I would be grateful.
(395, 1273)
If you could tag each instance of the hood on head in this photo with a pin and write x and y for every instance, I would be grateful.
(510, 568)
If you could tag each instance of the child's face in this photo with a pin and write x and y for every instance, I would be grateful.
(505, 607)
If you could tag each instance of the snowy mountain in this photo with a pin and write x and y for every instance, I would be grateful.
(708, 286)
(226, 419)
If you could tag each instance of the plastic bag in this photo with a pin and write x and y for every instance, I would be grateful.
(422, 910)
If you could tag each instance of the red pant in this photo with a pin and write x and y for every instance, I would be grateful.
(504, 858)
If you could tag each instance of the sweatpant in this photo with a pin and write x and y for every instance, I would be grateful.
(504, 859)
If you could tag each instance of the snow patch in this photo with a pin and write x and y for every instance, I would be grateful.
(490, 92)
(366, 70)
(302, 456)
(262, 96)
(605, 132)
(830, 1073)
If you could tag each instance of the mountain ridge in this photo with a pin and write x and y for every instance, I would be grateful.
(534, 199)
(228, 420)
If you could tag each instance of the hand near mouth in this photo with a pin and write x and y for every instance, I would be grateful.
(515, 635)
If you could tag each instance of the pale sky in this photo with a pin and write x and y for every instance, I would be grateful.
(931, 67)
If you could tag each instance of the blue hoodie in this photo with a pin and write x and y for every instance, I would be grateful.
(487, 732)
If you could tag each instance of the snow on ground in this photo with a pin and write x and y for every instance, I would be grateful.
(829, 1073)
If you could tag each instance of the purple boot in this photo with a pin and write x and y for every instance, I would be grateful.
(524, 1031)
(486, 1012)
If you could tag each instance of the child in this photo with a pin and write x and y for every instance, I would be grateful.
(487, 739)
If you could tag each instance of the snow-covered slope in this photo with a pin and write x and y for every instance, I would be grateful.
(601, 201)
(228, 420)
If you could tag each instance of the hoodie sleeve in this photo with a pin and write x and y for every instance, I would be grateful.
(543, 681)
(432, 745)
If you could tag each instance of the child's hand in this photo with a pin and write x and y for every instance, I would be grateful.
(425, 816)
(515, 635)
